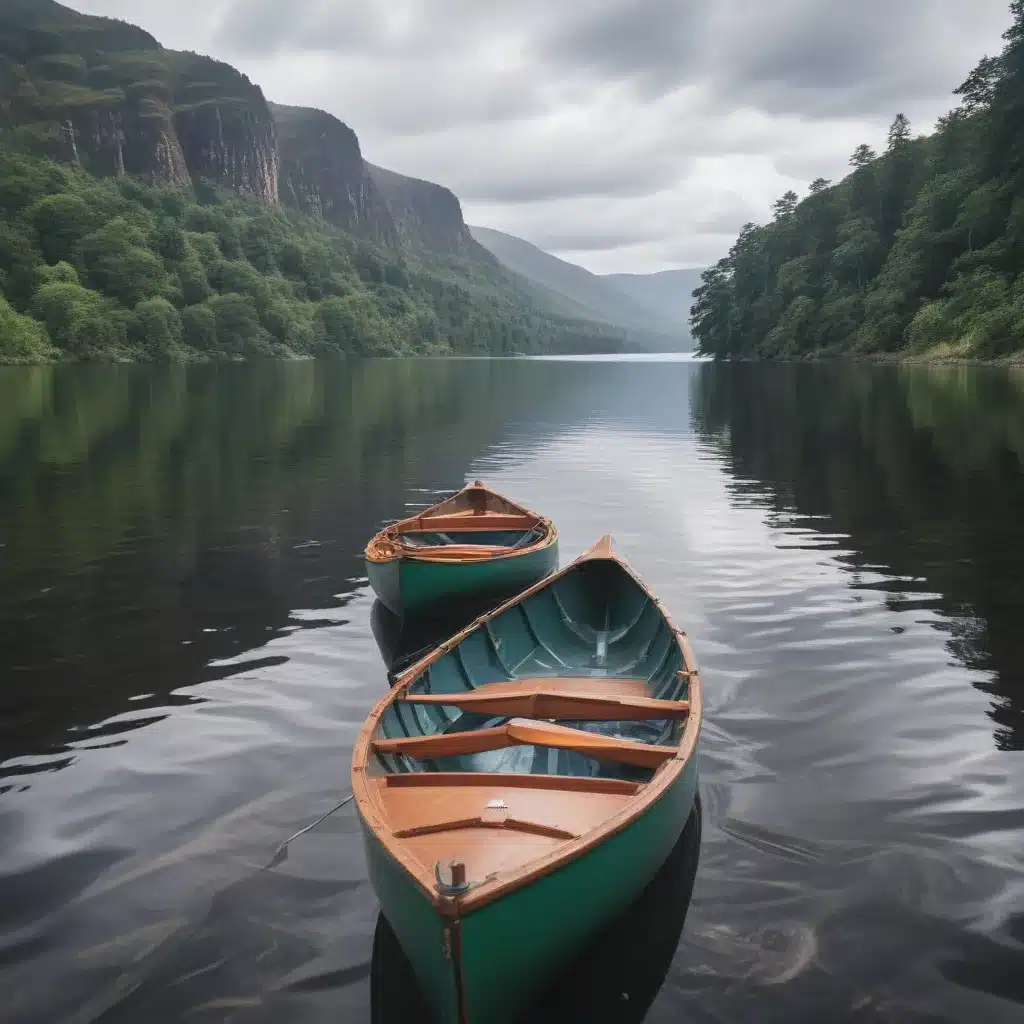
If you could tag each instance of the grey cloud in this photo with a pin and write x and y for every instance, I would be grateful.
(595, 241)
(655, 42)
(822, 58)
(269, 28)
(631, 130)
(528, 182)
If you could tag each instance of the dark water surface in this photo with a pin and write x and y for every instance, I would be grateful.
(186, 657)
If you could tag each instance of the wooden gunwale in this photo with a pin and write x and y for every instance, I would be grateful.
(469, 521)
(644, 797)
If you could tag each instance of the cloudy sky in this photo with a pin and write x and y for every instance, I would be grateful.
(624, 135)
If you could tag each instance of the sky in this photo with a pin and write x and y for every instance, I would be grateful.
(627, 136)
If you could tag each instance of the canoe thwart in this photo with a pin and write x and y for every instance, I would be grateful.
(573, 698)
(524, 731)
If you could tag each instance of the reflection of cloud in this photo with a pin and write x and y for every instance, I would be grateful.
(525, 107)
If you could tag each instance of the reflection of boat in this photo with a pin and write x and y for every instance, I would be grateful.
(403, 641)
(475, 542)
(523, 782)
(631, 956)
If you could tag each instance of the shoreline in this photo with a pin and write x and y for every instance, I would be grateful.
(1014, 361)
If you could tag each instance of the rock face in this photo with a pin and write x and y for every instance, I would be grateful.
(108, 97)
(427, 216)
(322, 173)
(226, 129)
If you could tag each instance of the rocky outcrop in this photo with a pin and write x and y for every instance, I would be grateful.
(322, 173)
(106, 95)
(225, 127)
(427, 216)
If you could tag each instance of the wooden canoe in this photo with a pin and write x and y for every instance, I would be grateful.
(524, 781)
(476, 543)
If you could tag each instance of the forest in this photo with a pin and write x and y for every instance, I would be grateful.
(113, 268)
(917, 252)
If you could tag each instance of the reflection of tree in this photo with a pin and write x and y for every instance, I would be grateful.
(140, 505)
(922, 466)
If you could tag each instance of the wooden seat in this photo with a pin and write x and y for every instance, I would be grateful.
(524, 731)
(573, 698)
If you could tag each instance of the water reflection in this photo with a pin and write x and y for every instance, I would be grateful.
(156, 521)
(187, 647)
(922, 468)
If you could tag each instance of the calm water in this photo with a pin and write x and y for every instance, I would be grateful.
(186, 656)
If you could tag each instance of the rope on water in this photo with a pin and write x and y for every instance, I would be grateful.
(281, 853)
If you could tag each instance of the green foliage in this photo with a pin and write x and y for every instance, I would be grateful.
(118, 269)
(919, 249)
(22, 339)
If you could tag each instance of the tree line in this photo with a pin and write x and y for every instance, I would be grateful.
(117, 269)
(918, 250)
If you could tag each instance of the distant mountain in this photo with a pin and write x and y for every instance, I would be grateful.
(668, 292)
(571, 290)
(653, 308)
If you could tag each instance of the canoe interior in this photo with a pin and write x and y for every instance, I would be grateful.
(490, 538)
(593, 623)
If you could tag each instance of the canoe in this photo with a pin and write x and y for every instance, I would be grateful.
(522, 783)
(632, 954)
(475, 544)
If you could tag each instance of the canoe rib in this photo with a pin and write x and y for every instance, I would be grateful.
(575, 699)
(523, 731)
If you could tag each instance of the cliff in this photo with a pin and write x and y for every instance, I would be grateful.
(322, 173)
(105, 95)
(427, 216)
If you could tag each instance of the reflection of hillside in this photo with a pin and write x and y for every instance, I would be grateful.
(140, 506)
(922, 466)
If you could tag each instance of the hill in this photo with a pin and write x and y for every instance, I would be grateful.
(918, 251)
(669, 293)
(153, 202)
(575, 291)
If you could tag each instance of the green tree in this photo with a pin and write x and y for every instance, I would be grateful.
(199, 328)
(61, 221)
(155, 327)
(22, 339)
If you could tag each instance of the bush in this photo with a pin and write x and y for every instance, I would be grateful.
(22, 339)
(199, 328)
(155, 327)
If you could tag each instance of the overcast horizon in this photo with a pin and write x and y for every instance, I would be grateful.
(625, 139)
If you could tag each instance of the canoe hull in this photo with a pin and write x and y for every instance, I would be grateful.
(512, 946)
(409, 586)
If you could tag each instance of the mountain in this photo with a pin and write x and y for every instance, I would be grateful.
(648, 316)
(153, 203)
(322, 173)
(427, 216)
(104, 95)
(668, 292)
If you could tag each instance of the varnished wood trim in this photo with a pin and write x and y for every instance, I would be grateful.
(523, 731)
(535, 828)
(384, 547)
(645, 797)
(506, 780)
(554, 698)
(468, 522)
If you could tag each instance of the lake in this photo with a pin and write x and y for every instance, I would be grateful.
(187, 655)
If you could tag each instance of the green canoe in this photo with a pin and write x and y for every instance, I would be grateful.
(475, 544)
(520, 785)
